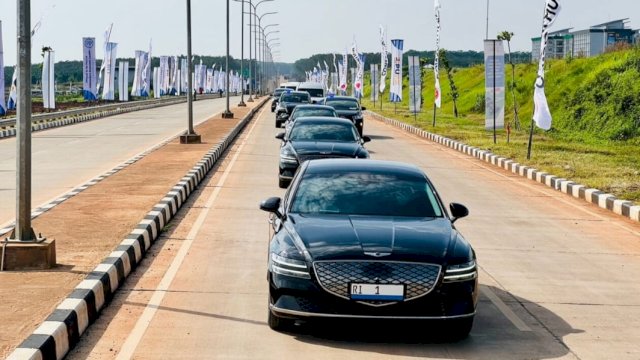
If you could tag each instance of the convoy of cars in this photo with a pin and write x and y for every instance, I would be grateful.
(355, 238)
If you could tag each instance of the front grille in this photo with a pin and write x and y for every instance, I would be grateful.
(335, 276)
(303, 158)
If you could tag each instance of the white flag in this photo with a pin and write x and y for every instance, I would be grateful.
(48, 81)
(436, 60)
(3, 106)
(395, 90)
(541, 113)
(89, 69)
(108, 90)
(384, 61)
(107, 36)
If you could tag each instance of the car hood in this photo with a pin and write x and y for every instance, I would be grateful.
(290, 105)
(336, 237)
(325, 148)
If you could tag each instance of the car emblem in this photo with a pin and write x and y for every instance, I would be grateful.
(377, 254)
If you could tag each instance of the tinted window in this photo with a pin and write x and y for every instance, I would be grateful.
(314, 92)
(313, 112)
(323, 132)
(278, 92)
(296, 98)
(343, 104)
(363, 193)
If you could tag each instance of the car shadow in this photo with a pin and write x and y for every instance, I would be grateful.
(495, 334)
(380, 137)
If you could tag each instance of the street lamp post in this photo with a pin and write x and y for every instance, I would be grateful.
(242, 104)
(190, 137)
(227, 114)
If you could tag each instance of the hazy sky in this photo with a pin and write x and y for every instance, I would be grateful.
(306, 27)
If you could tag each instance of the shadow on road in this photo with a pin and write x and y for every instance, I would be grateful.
(380, 137)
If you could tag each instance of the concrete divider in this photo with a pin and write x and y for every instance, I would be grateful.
(61, 331)
(594, 196)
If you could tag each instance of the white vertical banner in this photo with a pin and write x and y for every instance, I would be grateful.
(156, 83)
(163, 75)
(395, 90)
(494, 84)
(541, 113)
(216, 80)
(375, 89)
(415, 84)
(136, 88)
(13, 90)
(209, 83)
(123, 81)
(353, 81)
(107, 37)
(146, 74)
(343, 73)
(436, 61)
(384, 61)
(3, 106)
(184, 72)
(108, 91)
(89, 80)
(48, 80)
(175, 76)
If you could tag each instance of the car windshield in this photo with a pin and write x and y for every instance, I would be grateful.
(344, 104)
(365, 193)
(314, 92)
(323, 132)
(313, 112)
(278, 92)
(295, 98)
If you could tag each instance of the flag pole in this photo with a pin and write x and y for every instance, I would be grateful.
(530, 141)
(434, 114)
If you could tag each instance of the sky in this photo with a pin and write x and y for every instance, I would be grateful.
(305, 27)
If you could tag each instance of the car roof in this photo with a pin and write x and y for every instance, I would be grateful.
(342, 98)
(315, 106)
(311, 85)
(336, 166)
(322, 120)
(293, 92)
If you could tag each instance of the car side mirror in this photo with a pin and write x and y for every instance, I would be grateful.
(366, 139)
(458, 211)
(363, 108)
(271, 205)
(280, 136)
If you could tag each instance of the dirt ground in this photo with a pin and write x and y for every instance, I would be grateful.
(90, 225)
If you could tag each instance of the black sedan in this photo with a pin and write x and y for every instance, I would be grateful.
(349, 108)
(276, 97)
(368, 239)
(309, 110)
(317, 138)
(288, 101)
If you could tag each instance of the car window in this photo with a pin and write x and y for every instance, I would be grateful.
(295, 98)
(313, 112)
(363, 193)
(343, 104)
(323, 132)
(314, 92)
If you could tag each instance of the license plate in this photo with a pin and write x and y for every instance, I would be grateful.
(376, 292)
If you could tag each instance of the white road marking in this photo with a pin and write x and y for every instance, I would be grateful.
(134, 338)
(504, 309)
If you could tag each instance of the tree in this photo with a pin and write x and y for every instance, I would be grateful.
(506, 35)
(454, 90)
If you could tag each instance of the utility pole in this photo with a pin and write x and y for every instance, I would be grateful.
(242, 104)
(487, 33)
(190, 137)
(227, 114)
(250, 61)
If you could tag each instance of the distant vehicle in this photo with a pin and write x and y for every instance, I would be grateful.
(347, 107)
(288, 101)
(276, 97)
(309, 110)
(318, 138)
(368, 239)
(316, 90)
(290, 85)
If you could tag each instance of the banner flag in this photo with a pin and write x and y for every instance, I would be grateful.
(164, 75)
(13, 90)
(89, 69)
(541, 113)
(156, 83)
(375, 89)
(107, 36)
(436, 60)
(108, 90)
(3, 106)
(175, 76)
(184, 72)
(395, 90)
(123, 81)
(137, 73)
(384, 61)
(353, 81)
(209, 87)
(415, 84)
(344, 81)
(494, 84)
(357, 80)
(48, 80)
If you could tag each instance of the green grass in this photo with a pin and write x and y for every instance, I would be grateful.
(599, 148)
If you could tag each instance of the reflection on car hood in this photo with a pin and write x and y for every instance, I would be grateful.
(325, 148)
(353, 237)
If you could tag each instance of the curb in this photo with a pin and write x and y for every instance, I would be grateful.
(62, 329)
(594, 196)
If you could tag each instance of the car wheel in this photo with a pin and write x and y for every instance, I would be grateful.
(278, 124)
(283, 183)
(276, 322)
(459, 329)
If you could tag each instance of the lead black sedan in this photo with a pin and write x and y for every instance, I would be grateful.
(318, 138)
(368, 239)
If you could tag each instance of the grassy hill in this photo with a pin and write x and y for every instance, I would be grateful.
(595, 103)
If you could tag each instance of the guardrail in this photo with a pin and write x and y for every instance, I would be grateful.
(105, 109)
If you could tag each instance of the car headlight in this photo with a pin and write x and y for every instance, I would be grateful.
(284, 265)
(461, 272)
(357, 117)
(287, 155)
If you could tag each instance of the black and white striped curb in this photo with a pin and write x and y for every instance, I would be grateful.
(61, 331)
(594, 196)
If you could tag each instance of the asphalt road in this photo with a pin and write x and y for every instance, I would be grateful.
(558, 276)
(68, 156)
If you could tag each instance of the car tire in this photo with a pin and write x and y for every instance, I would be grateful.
(283, 183)
(276, 322)
(459, 329)
(278, 124)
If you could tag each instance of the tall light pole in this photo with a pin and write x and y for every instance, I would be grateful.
(252, 70)
(487, 33)
(241, 104)
(259, 26)
(227, 114)
(190, 137)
